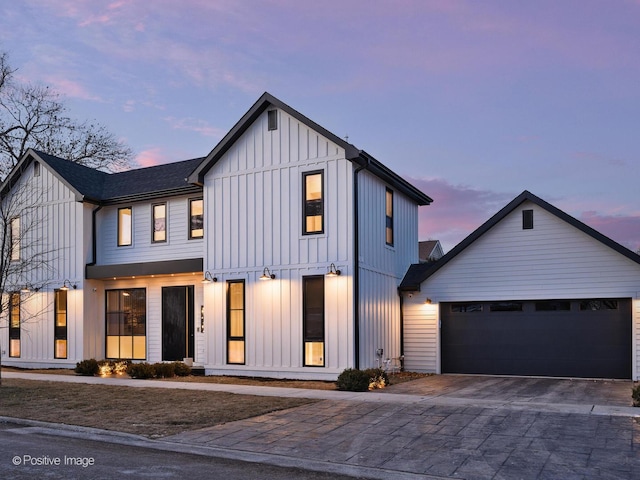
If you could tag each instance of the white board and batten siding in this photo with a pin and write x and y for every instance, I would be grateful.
(552, 261)
(253, 219)
(382, 267)
(54, 226)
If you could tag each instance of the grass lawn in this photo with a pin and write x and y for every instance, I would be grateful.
(152, 412)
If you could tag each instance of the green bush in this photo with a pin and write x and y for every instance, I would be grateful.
(141, 370)
(182, 369)
(165, 370)
(378, 378)
(635, 394)
(88, 367)
(353, 380)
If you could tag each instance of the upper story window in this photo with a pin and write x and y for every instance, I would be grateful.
(15, 238)
(389, 217)
(527, 219)
(272, 120)
(313, 206)
(196, 218)
(36, 169)
(159, 233)
(124, 227)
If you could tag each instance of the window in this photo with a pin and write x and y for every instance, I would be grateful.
(272, 119)
(553, 306)
(14, 324)
(313, 208)
(159, 233)
(15, 238)
(196, 218)
(506, 307)
(527, 219)
(36, 169)
(126, 314)
(466, 307)
(60, 325)
(389, 217)
(235, 322)
(598, 305)
(124, 227)
(313, 320)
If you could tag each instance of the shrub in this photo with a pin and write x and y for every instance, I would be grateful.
(141, 370)
(378, 378)
(87, 367)
(165, 370)
(635, 394)
(353, 380)
(182, 369)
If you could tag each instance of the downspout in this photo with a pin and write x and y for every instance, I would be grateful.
(94, 241)
(356, 265)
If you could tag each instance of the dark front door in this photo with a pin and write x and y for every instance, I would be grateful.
(177, 323)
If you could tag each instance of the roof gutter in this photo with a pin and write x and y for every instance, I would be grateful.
(94, 241)
(363, 163)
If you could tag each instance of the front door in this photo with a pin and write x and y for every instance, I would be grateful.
(177, 323)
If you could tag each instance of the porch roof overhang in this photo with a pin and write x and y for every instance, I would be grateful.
(167, 267)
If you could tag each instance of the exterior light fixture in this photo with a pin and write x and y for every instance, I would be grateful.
(333, 271)
(267, 275)
(66, 284)
(428, 301)
(208, 278)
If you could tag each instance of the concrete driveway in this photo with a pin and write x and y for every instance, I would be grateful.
(520, 389)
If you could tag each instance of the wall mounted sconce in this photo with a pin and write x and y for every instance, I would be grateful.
(333, 271)
(29, 289)
(428, 301)
(267, 275)
(66, 284)
(208, 278)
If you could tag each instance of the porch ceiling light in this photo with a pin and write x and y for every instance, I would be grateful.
(208, 277)
(333, 271)
(66, 284)
(267, 275)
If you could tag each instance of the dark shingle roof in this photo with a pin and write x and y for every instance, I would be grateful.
(141, 183)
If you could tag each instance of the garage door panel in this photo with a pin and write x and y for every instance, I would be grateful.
(566, 343)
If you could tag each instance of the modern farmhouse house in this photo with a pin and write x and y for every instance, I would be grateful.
(533, 291)
(278, 254)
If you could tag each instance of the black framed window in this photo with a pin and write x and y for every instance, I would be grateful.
(125, 231)
(235, 322)
(553, 306)
(505, 307)
(527, 219)
(126, 317)
(313, 206)
(272, 120)
(466, 307)
(196, 218)
(159, 223)
(313, 320)
(60, 325)
(593, 305)
(389, 217)
(14, 226)
(14, 324)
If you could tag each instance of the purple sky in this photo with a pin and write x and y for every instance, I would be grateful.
(473, 102)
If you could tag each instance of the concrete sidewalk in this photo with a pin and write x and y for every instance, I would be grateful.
(437, 427)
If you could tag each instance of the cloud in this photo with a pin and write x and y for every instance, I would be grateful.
(153, 156)
(624, 229)
(70, 88)
(195, 125)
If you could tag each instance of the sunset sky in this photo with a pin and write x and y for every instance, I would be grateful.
(473, 102)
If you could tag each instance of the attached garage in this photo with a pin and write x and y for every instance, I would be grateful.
(588, 338)
(532, 291)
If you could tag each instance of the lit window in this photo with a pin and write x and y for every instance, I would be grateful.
(124, 227)
(196, 218)
(160, 222)
(313, 320)
(60, 325)
(313, 207)
(14, 324)
(235, 322)
(389, 217)
(126, 317)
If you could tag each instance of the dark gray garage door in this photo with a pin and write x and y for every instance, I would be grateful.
(556, 338)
